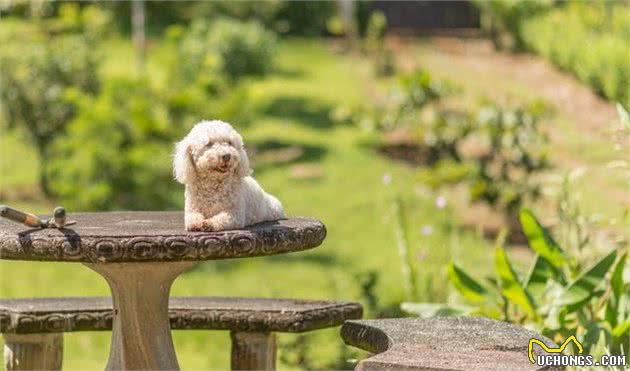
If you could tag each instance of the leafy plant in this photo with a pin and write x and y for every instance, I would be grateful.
(306, 18)
(561, 34)
(375, 46)
(511, 153)
(559, 30)
(208, 51)
(404, 103)
(555, 296)
(119, 152)
(245, 48)
(502, 19)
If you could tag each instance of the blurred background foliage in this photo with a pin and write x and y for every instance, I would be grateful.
(414, 153)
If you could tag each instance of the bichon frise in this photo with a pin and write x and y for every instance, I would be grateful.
(220, 193)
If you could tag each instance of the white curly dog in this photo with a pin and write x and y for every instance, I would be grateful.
(220, 193)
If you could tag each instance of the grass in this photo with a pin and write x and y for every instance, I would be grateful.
(292, 105)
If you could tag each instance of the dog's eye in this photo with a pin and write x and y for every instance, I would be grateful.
(209, 144)
(231, 143)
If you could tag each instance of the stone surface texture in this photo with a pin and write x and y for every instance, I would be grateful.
(152, 236)
(33, 352)
(445, 343)
(51, 315)
(141, 333)
(253, 351)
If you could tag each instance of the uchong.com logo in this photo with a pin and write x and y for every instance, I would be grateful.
(554, 356)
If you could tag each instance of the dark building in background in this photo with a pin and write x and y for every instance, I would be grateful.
(428, 15)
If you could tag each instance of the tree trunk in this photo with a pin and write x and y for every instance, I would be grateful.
(138, 31)
(346, 11)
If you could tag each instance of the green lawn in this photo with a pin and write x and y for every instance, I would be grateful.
(291, 107)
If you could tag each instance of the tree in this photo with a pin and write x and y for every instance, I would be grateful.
(38, 78)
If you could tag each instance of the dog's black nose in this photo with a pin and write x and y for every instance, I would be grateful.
(226, 158)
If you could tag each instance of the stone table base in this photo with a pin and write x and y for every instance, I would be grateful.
(33, 351)
(141, 334)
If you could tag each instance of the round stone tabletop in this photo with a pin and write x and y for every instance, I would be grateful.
(152, 237)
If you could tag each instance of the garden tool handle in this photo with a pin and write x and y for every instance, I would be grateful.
(21, 217)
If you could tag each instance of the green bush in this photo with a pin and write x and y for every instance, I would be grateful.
(245, 48)
(305, 18)
(588, 39)
(382, 57)
(224, 48)
(117, 153)
(561, 35)
(404, 103)
(502, 19)
(556, 295)
(37, 77)
(511, 153)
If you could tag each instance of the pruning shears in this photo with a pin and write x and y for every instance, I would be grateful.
(58, 220)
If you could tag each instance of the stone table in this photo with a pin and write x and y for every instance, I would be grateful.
(140, 254)
(442, 343)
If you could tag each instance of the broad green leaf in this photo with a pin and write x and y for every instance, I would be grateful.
(539, 274)
(428, 310)
(466, 285)
(617, 284)
(621, 330)
(616, 279)
(510, 285)
(592, 335)
(595, 340)
(540, 239)
(582, 289)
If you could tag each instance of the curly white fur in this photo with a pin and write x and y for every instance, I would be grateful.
(220, 193)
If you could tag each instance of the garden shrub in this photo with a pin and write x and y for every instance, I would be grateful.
(587, 39)
(382, 57)
(511, 153)
(305, 18)
(38, 76)
(500, 152)
(245, 48)
(211, 59)
(404, 102)
(224, 48)
(117, 154)
(91, 21)
(502, 19)
(562, 34)
(193, 103)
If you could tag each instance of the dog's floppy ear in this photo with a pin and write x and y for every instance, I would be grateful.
(243, 165)
(184, 168)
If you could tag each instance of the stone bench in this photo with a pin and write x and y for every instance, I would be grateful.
(443, 343)
(33, 328)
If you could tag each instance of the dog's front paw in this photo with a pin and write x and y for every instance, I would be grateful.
(209, 226)
(201, 226)
(194, 222)
(195, 227)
